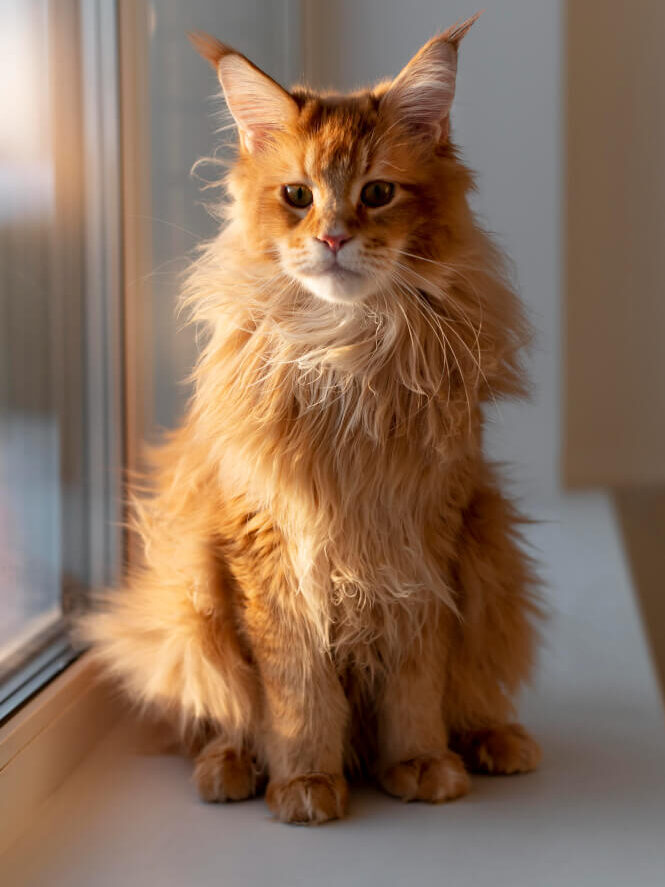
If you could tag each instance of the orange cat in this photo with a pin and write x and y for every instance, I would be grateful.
(332, 577)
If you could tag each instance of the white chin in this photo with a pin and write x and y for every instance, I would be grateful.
(344, 287)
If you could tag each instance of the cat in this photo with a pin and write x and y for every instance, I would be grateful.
(333, 580)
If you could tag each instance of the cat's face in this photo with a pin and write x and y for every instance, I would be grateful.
(336, 189)
(337, 199)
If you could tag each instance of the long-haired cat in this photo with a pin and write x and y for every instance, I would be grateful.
(332, 577)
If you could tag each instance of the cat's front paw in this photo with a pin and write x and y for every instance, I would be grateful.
(507, 748)
(222, 773)
(433, 778)
(311, 798)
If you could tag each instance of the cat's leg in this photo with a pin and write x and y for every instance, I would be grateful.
(414, 761)
(493, 650)
(305, 717)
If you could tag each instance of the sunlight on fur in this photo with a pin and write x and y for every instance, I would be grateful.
(333, 580)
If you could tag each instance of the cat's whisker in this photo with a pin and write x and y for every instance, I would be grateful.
(439, 333)
(475, 330)
(449, 323)
(475, 361)
(456, 268)
(431, 320)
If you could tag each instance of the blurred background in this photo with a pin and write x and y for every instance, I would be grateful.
(559, 110)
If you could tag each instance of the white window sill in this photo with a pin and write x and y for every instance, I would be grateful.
(593, 815)
(46, 740)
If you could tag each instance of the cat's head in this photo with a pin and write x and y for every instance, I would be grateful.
(342, 190)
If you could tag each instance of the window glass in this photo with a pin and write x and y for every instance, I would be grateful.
(56, 340)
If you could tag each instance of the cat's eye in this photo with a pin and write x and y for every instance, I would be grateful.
(297, 195)
(377, 193)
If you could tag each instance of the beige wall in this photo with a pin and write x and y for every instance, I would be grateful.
(614, 326)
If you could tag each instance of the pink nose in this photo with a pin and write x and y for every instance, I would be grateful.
(334, 241)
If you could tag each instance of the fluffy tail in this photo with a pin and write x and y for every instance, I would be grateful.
(176, 654)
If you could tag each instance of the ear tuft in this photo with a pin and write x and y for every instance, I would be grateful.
(209, 48)
(423, 92)
(455, 33)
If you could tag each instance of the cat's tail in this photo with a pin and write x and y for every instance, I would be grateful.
(173, 654)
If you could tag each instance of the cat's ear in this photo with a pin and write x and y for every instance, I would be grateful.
(422, 94)
(258, 104)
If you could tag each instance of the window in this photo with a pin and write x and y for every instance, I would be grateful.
(60, 372)
(92, 357)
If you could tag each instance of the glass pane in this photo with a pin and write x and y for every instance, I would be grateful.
(30, 427)
(53, 360)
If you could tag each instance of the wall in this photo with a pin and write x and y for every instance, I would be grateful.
(615, 229)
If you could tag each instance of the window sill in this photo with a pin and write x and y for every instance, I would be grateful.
(47, 739)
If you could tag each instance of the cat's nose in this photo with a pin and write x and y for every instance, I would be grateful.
(334, 241)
